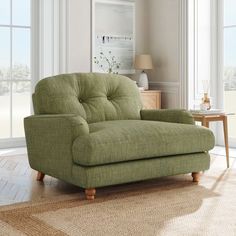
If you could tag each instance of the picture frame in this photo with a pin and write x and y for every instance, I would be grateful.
(113, 36)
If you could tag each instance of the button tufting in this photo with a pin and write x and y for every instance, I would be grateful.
(108, 98)
(80, 100)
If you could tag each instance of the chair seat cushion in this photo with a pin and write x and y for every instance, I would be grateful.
(127, 140)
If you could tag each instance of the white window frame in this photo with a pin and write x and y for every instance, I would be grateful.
(217, 63)
(219, 69)
(194, 96)
(34, 67)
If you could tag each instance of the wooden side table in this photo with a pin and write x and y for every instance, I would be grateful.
(151, 99)
(206, 118)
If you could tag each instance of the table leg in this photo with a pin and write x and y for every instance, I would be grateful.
(225, 123)
(205, 123)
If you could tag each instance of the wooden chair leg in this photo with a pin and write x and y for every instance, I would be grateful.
(90, 193)
(196, 177)
(40, 176)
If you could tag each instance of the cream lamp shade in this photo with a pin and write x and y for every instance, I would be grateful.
(143, 62)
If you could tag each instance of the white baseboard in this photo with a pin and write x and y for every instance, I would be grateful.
(12, 143)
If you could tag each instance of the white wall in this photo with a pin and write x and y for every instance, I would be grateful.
(166, 37)
(164, 41)
(142, 26)
(79, 33)
(160, 31)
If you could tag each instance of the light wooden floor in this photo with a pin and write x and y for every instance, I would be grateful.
(18, 181)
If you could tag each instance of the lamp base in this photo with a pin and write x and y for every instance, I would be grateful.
(143, 81)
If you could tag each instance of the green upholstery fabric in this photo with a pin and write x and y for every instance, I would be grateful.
(89, 130)
(168, 115)
(95, 97)
(124, 140)
(49, 141)
(132, 171)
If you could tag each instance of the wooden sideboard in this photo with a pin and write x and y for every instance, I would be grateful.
(151, 99)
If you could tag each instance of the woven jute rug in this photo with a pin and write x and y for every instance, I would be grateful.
(166, 206)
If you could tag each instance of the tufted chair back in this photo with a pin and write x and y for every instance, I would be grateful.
(94, 96)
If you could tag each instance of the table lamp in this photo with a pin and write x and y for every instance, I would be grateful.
(143, 62)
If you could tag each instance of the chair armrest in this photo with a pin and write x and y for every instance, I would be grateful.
(168, 115)
(77, 125)
(49, 140)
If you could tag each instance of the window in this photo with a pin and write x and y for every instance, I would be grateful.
(229, 49)
(212, 56)
(15, 66)
(199, 49)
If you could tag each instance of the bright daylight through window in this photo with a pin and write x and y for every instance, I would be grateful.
(15, 77)
(230, 63)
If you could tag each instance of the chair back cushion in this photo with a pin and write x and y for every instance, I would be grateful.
(94, 96)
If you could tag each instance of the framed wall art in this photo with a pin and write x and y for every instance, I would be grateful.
(113, 36)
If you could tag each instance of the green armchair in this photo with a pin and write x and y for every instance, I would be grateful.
(90, 130)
